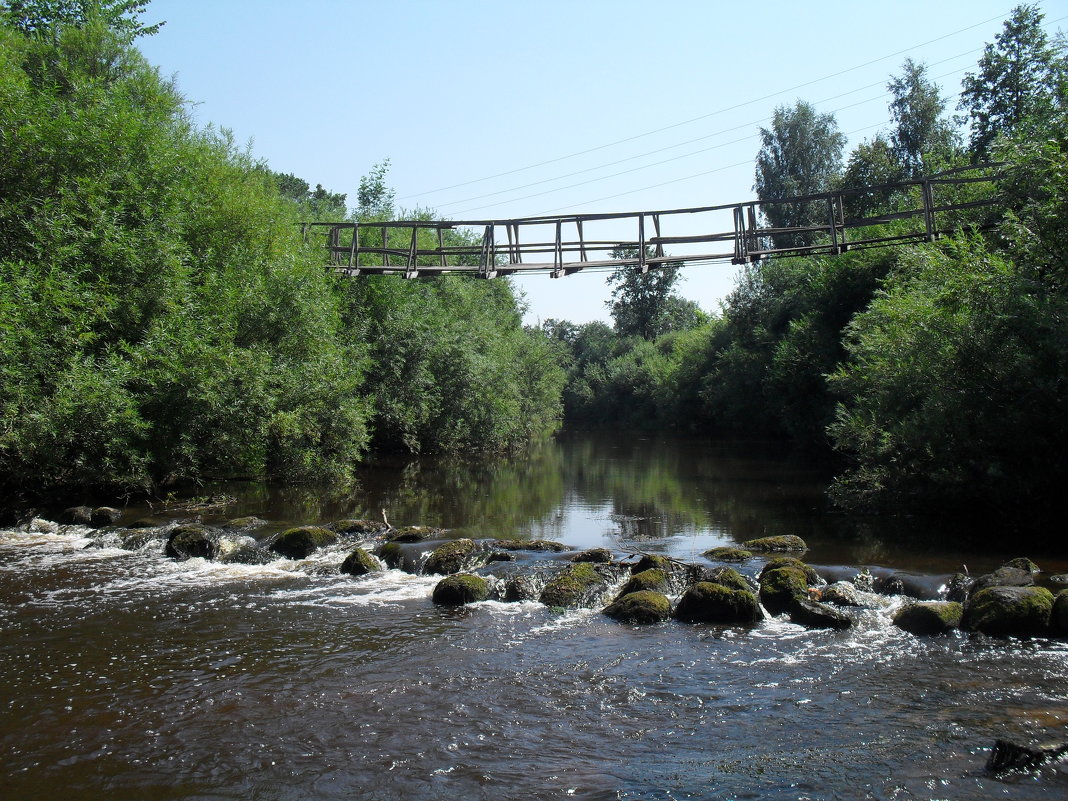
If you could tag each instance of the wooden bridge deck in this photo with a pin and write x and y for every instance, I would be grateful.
(562, 245)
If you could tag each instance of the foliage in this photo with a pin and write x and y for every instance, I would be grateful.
(1021, 80)
(921, 135)
(41, 16)
(643, 303)
(800, 154)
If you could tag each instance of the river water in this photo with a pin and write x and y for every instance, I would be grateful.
(127, 675)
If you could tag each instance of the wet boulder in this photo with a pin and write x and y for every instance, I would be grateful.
(929, 617)
(653, 580)
(959, 587)
(578, 585)
(193, 540)
(783, 542)
(1059, 618)
(815, 615)
(781, 588)
(521, 588)
(730, 578)
(359, 563)
(136, 539)
(454, 556)
(1023, 563)
(710, 602)
(1004, 576)
(392, 555)
(461, 588)
(350, 527)
(841, 593)
(77, 516)
(1009, 611)
(414, 534)
(653, 561)
(726, 553)
(105, 516)
(302, 541)
(600, 556)
(246, 523)
(643, 606)
(1007, 755)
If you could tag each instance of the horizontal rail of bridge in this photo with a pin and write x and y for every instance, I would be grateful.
(735, 233)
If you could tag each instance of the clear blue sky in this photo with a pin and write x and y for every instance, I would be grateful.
(505, 109)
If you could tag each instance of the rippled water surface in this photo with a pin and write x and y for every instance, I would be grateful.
(127, 675)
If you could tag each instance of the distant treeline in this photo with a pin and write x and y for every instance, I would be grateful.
(937, 372)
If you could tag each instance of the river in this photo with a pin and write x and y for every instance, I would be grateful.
(127, 675)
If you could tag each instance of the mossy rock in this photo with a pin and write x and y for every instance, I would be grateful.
(578, 585)
(642, 606)
(651, 580)
(711, 602)
(1058, 623)
(521, 588)
(547, 546)
(414, 534)
(816, 615)
(247, 523)
(302, 541)
(726, 553)
(929, 617)
(359, 563)
(391, 555)
(959, 587)
(460, 589)
(1009, 611)
(360, 527)
(653, 561)
(191, 541)
(1023, 563)
(781, 588)
(452, 557)
(728, 577)
(783, 542)
(811, 576)
(600, 556)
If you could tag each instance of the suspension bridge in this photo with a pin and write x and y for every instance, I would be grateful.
(738, 233)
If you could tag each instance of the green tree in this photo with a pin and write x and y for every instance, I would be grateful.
(800, 154)
(639, 304)
(921, 132)
(1021, 79)
(40, 16)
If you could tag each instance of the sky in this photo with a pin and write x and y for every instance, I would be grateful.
(489, 109)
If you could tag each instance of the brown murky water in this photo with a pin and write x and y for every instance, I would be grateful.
(126, 675)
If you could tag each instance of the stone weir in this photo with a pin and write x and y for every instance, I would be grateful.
(737, 586)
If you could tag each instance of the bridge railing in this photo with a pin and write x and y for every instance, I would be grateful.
(827, 223)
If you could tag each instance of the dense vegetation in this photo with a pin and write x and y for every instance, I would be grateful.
(161, 317)
(938, 372)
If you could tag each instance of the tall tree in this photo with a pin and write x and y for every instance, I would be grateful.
(1021, 76)
(801, 154)
(38, 16)
(639, 302)
(921, 131)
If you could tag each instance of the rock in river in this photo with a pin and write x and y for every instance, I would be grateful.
(929, 617)
(643, 606)
(1009, 611)
(359, 563)
(461, 588)
(578, 585)
(193, 540)
(783, 542)
(300, 542)
(709, 602)
(454, 556)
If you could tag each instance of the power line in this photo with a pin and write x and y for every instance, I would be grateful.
(704, 116)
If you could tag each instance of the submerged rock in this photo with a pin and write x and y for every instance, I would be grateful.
(452, 557)
(643, 606)
(929, 617)
(300, 542)
(726, 553)
(783, 542)
(1009, 611)
(359, 563)
(193, 540)
(578, 585)
(816, 615)
(710, 602)
(781, 588)
(1008, 755)
(653, 579)
(532, 545)
(460, 589)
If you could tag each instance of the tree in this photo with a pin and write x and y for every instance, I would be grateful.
(1021, 77)
(872, 163)
(374, 199)
(38, 16)
(638, 303)
(920, 129)
(801, 154)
